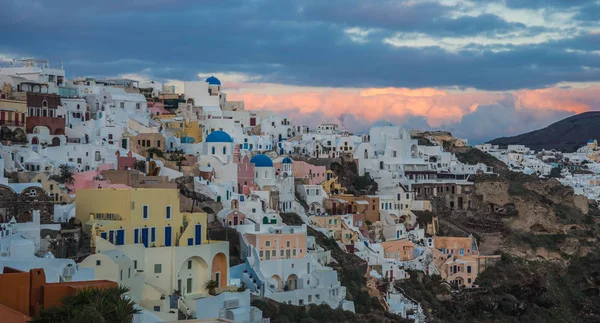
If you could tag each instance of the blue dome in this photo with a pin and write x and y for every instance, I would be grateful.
(286, 160)
(213, 81)
(218, 136)
(261, 161)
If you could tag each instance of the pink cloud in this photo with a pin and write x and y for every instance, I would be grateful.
(439, 108)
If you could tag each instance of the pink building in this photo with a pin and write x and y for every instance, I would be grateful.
(92, 179)
(245, 171)
(157, 109)
(314, 174)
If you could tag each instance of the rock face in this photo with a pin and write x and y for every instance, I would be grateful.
(565, 135)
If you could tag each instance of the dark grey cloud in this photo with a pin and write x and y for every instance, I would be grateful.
(297, 43)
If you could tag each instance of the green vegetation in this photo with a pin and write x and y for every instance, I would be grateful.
(92, 306)
(155, 152)
(516, 188)
(516, 290)
(140, 165)
(65, 175)
(178, 156)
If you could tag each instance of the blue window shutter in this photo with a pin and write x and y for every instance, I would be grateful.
(136, 235)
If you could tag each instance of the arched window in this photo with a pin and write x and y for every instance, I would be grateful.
(78, 107)
(366, 154)
(214, 151)
(44, 104)
(224, 150)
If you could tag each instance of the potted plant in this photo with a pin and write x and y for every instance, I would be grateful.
(211, 285)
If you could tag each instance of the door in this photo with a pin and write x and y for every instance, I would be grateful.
(120, 237)
(218, 278)
(145, 237)
(198, 234)
(189, 286)
(179, 285)
(103, 235)
(235, 220)
(168, 236)
(111, 236)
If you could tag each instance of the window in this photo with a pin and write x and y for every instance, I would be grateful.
(157, 268)
(189, 264)
(214, 151)
(168, 212)
(287, 244)
(294, 252)
(268, 243)
(145, 212)
(157, 308)
(98, 262)
(262, 253)
(110, 136)
(281, 253)
(138, 105)
(128, 272)
(121, 275)
(469, 271)
(224, 150)
(273, 253)
(135, 264)
(122, 104)
(153, 234)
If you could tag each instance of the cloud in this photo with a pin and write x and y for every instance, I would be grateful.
(415, 44)
(474, 115)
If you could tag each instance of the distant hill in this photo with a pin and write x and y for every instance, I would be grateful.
(565, 135)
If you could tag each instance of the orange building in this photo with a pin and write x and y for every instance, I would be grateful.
(348, 204)
(27, 292)
(402, 250)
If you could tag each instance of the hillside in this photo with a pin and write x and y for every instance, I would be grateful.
(565, 135)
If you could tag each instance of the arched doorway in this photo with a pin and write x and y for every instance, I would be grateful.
(265, 220)
(219, 269)
(292, 282)
(35, 141)
(277, 279)
(192, 276)
(55, 141)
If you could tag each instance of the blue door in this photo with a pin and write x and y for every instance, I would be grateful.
(103, 235)
(145, 237)
(120, 237)
(167, 236)
(111, 236)
(198, 234)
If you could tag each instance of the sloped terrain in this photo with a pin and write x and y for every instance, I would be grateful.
(565, 135)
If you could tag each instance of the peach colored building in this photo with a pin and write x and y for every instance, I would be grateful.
(402, 250)
(462, 271)
(459, 246)
(144, 141)
(278, 245)
(314, 175)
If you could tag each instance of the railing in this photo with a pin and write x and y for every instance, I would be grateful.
(12, 123)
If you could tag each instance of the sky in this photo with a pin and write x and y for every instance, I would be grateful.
(478, 68)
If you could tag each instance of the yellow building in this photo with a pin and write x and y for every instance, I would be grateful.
(148, 216)
(181, 128)
(336, 225)
(331, 185)
(53, 188)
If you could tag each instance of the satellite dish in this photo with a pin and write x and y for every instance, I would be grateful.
(271, 230)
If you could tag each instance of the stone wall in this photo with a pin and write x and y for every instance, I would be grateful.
(21, 206)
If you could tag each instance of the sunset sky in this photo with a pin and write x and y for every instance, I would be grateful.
(479, 68)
